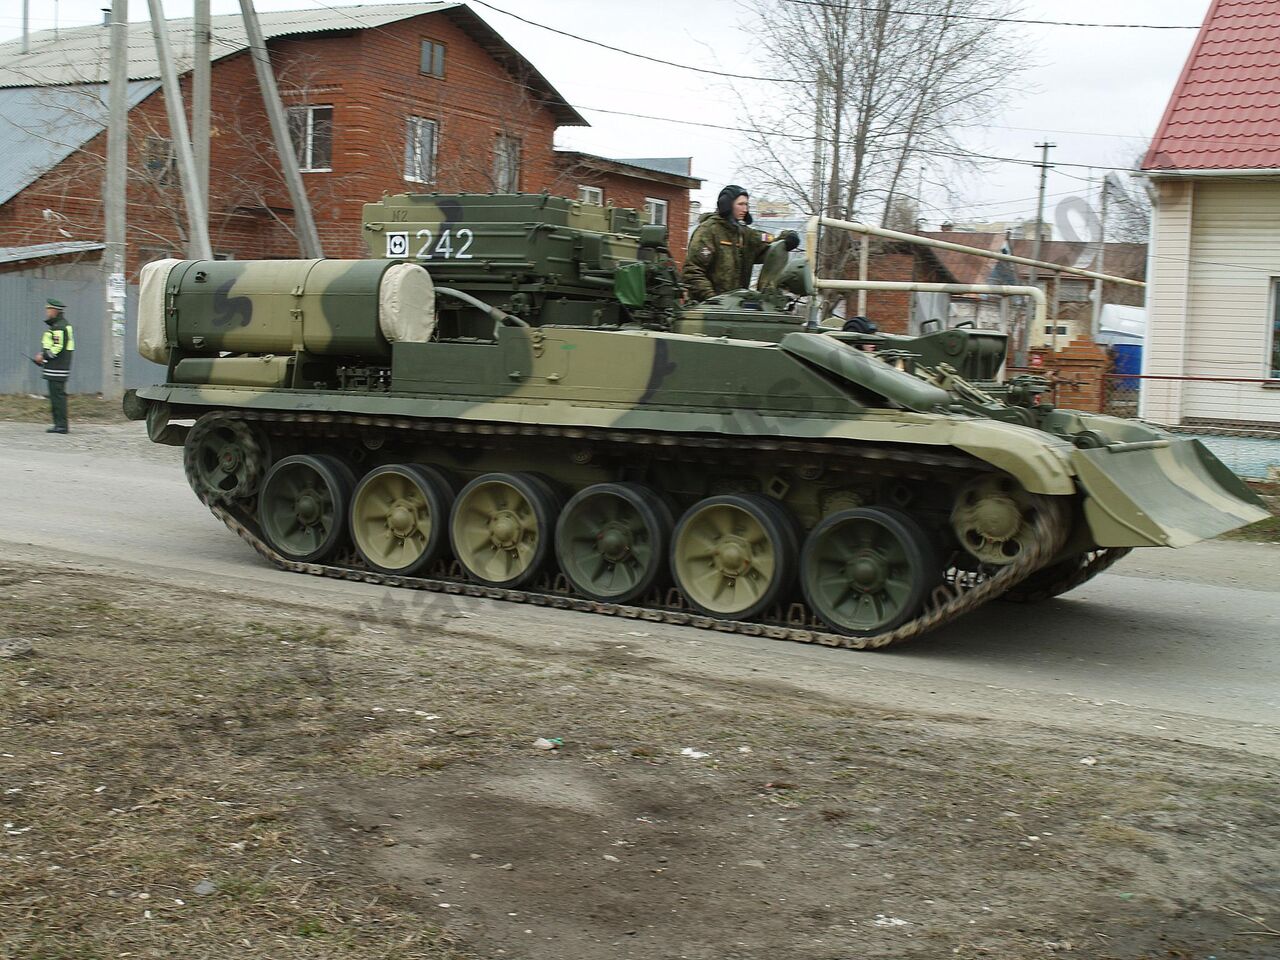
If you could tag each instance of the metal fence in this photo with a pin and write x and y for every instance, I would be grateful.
(1120, 393)
(22, 297)
(1248, 448)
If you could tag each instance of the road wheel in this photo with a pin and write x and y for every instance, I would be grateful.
(867, 570)
(224, 459)
(399, 517)
(502, 528)
(302, 507)
(733, 556)
(612, 540)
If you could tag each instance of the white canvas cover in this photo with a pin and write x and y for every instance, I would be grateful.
(407, 304)
(151, 286)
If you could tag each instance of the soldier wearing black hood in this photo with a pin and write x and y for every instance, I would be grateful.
(725, 247)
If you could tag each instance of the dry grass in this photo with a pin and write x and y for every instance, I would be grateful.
(151, 794)
(188, 774)
(85, 407)
(1264, 531)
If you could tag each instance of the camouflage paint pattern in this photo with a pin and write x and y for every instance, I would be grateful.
(283, 335)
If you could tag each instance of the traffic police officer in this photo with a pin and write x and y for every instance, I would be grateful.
(54, 359)
(724, 247)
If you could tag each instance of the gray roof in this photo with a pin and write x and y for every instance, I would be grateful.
(38, 250)
(631, 168)
(42, 126)
(680, 166)
(79, 55)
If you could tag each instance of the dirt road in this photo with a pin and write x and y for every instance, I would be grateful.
(317, 768)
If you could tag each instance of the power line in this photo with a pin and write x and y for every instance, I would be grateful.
(632, 53)
(958, 154)
(933, 14)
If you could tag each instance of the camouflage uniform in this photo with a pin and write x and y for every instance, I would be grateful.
(721, 255)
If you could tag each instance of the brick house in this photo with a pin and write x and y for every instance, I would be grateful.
(899, 311)
(1070, 298)
(657, 186)
(421, 98)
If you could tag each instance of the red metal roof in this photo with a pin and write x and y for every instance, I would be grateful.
(1225, 111)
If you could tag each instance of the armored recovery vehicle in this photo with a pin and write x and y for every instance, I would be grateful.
(508, 399)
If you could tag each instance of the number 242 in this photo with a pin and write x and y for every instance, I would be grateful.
(444, 246)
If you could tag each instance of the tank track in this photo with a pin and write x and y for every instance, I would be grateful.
(1089, 566)
(961, 591)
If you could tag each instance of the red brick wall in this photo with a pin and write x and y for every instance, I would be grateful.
(1077, 373)
(891, 310)
(372, 81)
(624, 191)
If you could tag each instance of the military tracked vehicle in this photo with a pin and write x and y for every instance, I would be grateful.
(509, 399)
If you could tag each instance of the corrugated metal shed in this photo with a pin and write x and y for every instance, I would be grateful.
(38, 251)
(79, 55)
(42, 126)
(78, 285)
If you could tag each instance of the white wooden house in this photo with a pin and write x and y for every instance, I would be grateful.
(1213, 340)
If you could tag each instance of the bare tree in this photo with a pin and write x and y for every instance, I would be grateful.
(1128, 207)
(878, 90)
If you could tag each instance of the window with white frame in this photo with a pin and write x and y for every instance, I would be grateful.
(1275, 331)
(420, 149)
(655, 211)
(1062, 330)
(311, 130)
(506, 164)
(591, 194)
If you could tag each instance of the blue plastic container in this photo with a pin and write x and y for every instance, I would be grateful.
(1128, 361)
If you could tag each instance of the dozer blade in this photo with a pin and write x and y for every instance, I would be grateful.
(1168, 493)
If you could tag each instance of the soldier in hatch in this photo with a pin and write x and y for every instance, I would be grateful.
(725, 247)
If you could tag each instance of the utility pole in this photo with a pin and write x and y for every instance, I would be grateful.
(114, 196)
(200, 97)
(1020, 344)
(26, 22)
(1100, 263)
(308, 235)
(816, 190)
(197, 215)
(815, 301)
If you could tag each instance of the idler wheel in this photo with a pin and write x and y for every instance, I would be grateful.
(994, 519)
